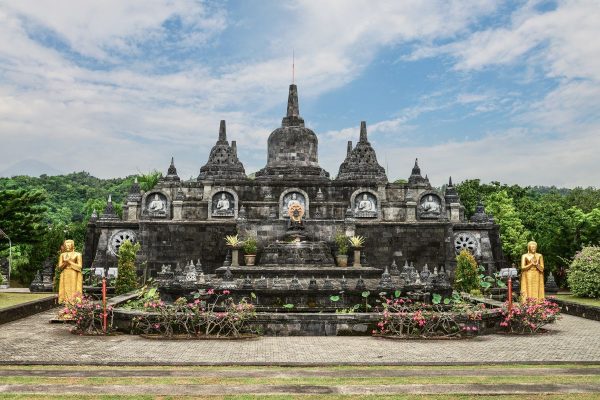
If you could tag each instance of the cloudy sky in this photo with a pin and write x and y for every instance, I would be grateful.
(506, 91)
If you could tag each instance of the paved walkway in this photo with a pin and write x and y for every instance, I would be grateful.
(34, 340)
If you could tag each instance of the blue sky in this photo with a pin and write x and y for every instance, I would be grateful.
(505, 91)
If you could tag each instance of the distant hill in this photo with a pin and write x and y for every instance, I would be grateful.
(30, 167)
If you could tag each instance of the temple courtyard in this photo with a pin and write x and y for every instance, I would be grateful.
(42, 359)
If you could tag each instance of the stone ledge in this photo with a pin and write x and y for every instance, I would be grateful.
(579, 310)
(23, 310)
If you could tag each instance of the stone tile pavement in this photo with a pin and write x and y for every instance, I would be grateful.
(34, 340)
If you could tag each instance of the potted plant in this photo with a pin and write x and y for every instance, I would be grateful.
(234, 242)
(342, 249)
(357, 243)
(250, 247)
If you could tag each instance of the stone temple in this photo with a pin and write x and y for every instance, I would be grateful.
(182, 223)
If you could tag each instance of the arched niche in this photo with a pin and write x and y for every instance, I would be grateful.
(223, 203)
(431, 206)
(156, 204)
(287, 195)
(368, 208)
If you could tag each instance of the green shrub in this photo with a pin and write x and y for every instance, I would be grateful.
(584, 273)
(466, 276)
(341, 240)
(126, 276)
(250, 246)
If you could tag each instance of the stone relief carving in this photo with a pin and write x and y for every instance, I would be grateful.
(467, 241)
(292, 199)
(118, 238)
(223, 205)
(430, 206)
(365, 205)
(156, 205)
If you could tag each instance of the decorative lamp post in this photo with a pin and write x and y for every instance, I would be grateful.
(9, 256)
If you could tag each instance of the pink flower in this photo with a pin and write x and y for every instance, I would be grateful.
(210, 291)
(226, 292)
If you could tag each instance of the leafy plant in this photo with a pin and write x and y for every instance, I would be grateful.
(356, 241)
(466, 276)
(233, 240)
(341, 241)
(584, 272)
(250, 246)
(145, 295)
(126, 272)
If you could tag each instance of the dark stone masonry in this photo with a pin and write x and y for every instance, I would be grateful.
(182, 221)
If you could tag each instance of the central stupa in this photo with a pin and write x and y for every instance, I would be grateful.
(293, 148)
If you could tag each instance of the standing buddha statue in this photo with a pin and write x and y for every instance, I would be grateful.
(532, 273)
(71, 277)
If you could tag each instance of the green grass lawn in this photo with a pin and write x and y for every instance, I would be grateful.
(580, 300)
(293, 377)
(8, 299)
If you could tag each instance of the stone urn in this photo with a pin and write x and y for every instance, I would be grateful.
(342, 260)
(250, 259)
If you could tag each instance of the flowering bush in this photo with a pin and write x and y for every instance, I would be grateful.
(529, 316)
(403, 317)
(211, 313)
(584, 272)
(87, 316)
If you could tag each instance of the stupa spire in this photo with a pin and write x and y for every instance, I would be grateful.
(349, 149)
(293, 108)
(222, 131)
(363, 131)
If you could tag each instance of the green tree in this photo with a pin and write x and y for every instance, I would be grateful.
(512, 232)
(466, 275)
(22, 216)
(126, 276)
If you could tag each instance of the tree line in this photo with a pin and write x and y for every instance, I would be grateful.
(38, 213)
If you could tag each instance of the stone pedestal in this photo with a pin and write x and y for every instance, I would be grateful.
(356, 258)
(234, 258)
(177, 210)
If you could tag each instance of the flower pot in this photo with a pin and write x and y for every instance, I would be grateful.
(342, 260)
(250, 259)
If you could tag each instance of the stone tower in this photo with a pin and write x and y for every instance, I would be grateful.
(361, 162)
(293, 148)
(223, 162)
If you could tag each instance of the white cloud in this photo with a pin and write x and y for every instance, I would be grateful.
(136, 111)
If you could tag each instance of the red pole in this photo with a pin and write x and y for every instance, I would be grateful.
(510, 294)
(104, 304)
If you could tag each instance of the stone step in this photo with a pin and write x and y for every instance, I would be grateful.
(301, 271)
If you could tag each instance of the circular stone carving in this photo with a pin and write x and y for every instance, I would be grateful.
(118, 238)
(465, 241)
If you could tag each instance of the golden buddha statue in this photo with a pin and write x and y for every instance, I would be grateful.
(532, 273)
(71, 278)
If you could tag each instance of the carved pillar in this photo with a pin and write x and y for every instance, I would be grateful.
(132, 211)
(455, 212)
(411, 211)
(177, 210)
